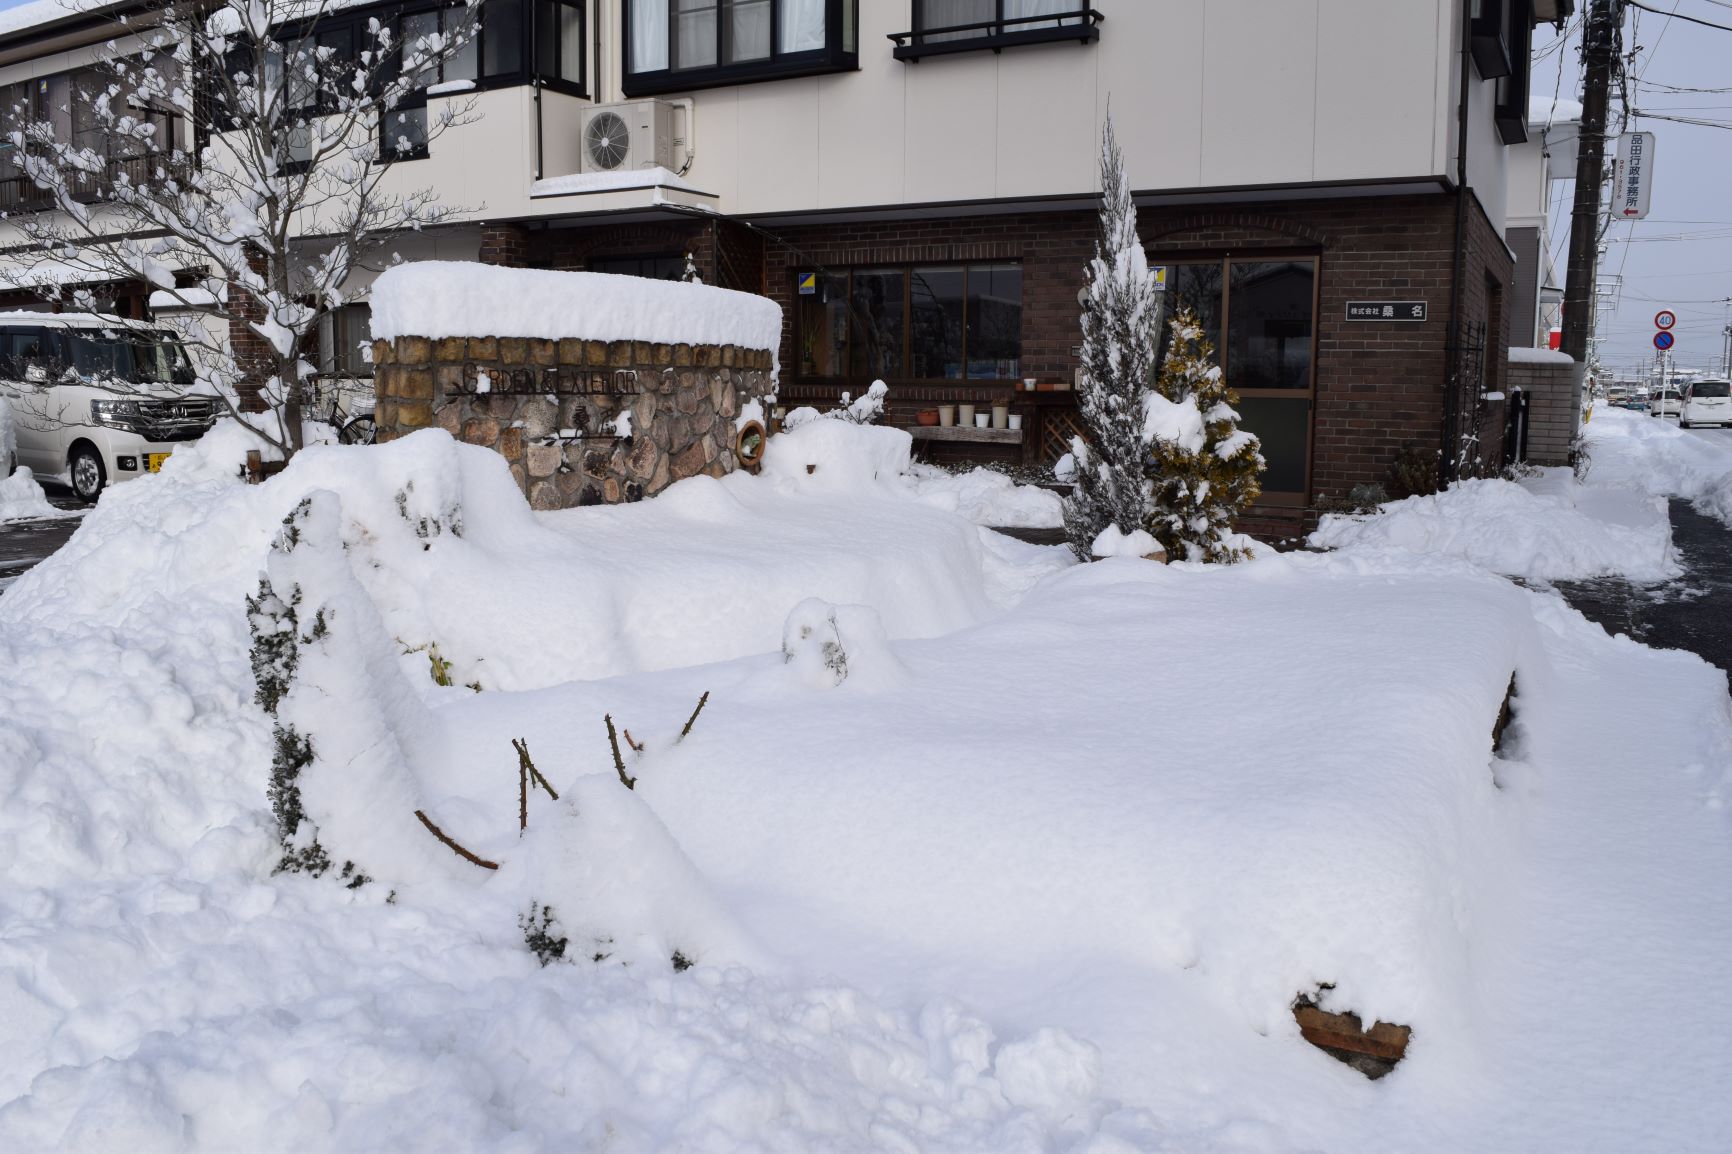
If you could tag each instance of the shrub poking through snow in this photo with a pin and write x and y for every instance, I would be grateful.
(868, 410)
(539, 927)
(1203, 466)
(275, 625)
(1121, 331)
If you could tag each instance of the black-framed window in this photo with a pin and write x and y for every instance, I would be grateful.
(958, 322)
(677, 45)
(943, 26)
(67, 102)
(1515, 24)
(665, 266)
(1260, 313)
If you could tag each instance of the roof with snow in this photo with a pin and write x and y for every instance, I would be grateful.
(456, 299)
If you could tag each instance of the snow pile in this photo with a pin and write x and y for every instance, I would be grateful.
(837, 455)
(988, 497)
(460, 298)
(1111, 542)
(1521, 355)
(21, 498)
(1177, 423)
(1548, 529)
(577, 183)
(962, 874)
(1631, 450)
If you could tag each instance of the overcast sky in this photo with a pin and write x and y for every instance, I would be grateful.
(1681, 256)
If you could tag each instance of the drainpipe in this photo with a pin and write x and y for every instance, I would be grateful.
(1458, 261)
(535, 83)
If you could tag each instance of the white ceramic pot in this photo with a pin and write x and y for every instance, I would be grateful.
(965, 414)
(946, 416)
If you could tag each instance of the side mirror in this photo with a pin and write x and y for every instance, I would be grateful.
(35, 374)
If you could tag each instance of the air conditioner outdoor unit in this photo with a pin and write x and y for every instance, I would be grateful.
(622, 137)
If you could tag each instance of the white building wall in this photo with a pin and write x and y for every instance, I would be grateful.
(1205, 93)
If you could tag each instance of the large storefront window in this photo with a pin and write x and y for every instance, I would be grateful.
(920, 323)
(1268, 310)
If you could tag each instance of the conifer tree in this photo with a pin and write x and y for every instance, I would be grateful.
(1202, 466)
(1121, 327)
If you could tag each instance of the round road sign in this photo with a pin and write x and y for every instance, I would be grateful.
(1664, 319)
(1662, 340)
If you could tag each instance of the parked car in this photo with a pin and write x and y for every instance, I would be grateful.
(97, 399)
(1666, 404)
(1707, 402)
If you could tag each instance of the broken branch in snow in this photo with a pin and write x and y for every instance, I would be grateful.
(618, 762)
(528, 765)
(636, 747)
(455, 848)
(702, 701)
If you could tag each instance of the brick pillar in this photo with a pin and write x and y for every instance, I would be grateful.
(254, 357)
(505, 244)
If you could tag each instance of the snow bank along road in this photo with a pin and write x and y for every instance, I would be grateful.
(1043, 872)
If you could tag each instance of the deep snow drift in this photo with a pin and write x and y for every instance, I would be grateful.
(1551, 527)
(976, 849)
(22, 499)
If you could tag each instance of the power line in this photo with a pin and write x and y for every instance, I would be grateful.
(1679, 16)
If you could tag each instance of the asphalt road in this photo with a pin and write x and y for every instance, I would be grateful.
(1693, 612)
(24, 543)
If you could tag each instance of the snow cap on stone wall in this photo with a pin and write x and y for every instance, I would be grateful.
(462, 299)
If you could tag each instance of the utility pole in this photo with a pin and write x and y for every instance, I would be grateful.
(1602, 35)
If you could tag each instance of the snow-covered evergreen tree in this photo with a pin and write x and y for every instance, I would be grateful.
(216, 137)
(1203, 466)
(1121, 329)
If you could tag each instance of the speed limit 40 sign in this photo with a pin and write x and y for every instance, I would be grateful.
(1664, 319)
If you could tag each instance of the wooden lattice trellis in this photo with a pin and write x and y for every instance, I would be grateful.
(1057, 427)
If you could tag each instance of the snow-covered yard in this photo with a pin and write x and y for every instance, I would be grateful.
(1044, 872)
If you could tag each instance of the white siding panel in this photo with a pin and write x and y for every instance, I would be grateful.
(1259, 91)
(1048, 126)
(1375, 92)
(860, 134)
(778, 146)
(1151, 74)
(952, 117)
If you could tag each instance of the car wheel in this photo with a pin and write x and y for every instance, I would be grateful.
(88, 475)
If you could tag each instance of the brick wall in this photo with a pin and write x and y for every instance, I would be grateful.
(1554, 391)
(1380, 386)
(504, 244)
(255, 358)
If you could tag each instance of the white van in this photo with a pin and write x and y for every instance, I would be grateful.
(1707, 402)
(97, 399)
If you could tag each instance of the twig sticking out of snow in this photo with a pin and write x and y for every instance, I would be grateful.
(618, 762)
(636, 746)
(702, 701)
(534, 774)
(455, 848)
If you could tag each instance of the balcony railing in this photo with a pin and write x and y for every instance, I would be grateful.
(18, 193)
(1082, 26)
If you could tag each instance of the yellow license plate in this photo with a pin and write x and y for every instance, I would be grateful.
(153, 461)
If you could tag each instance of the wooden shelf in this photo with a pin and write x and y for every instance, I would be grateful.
(958, 433)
